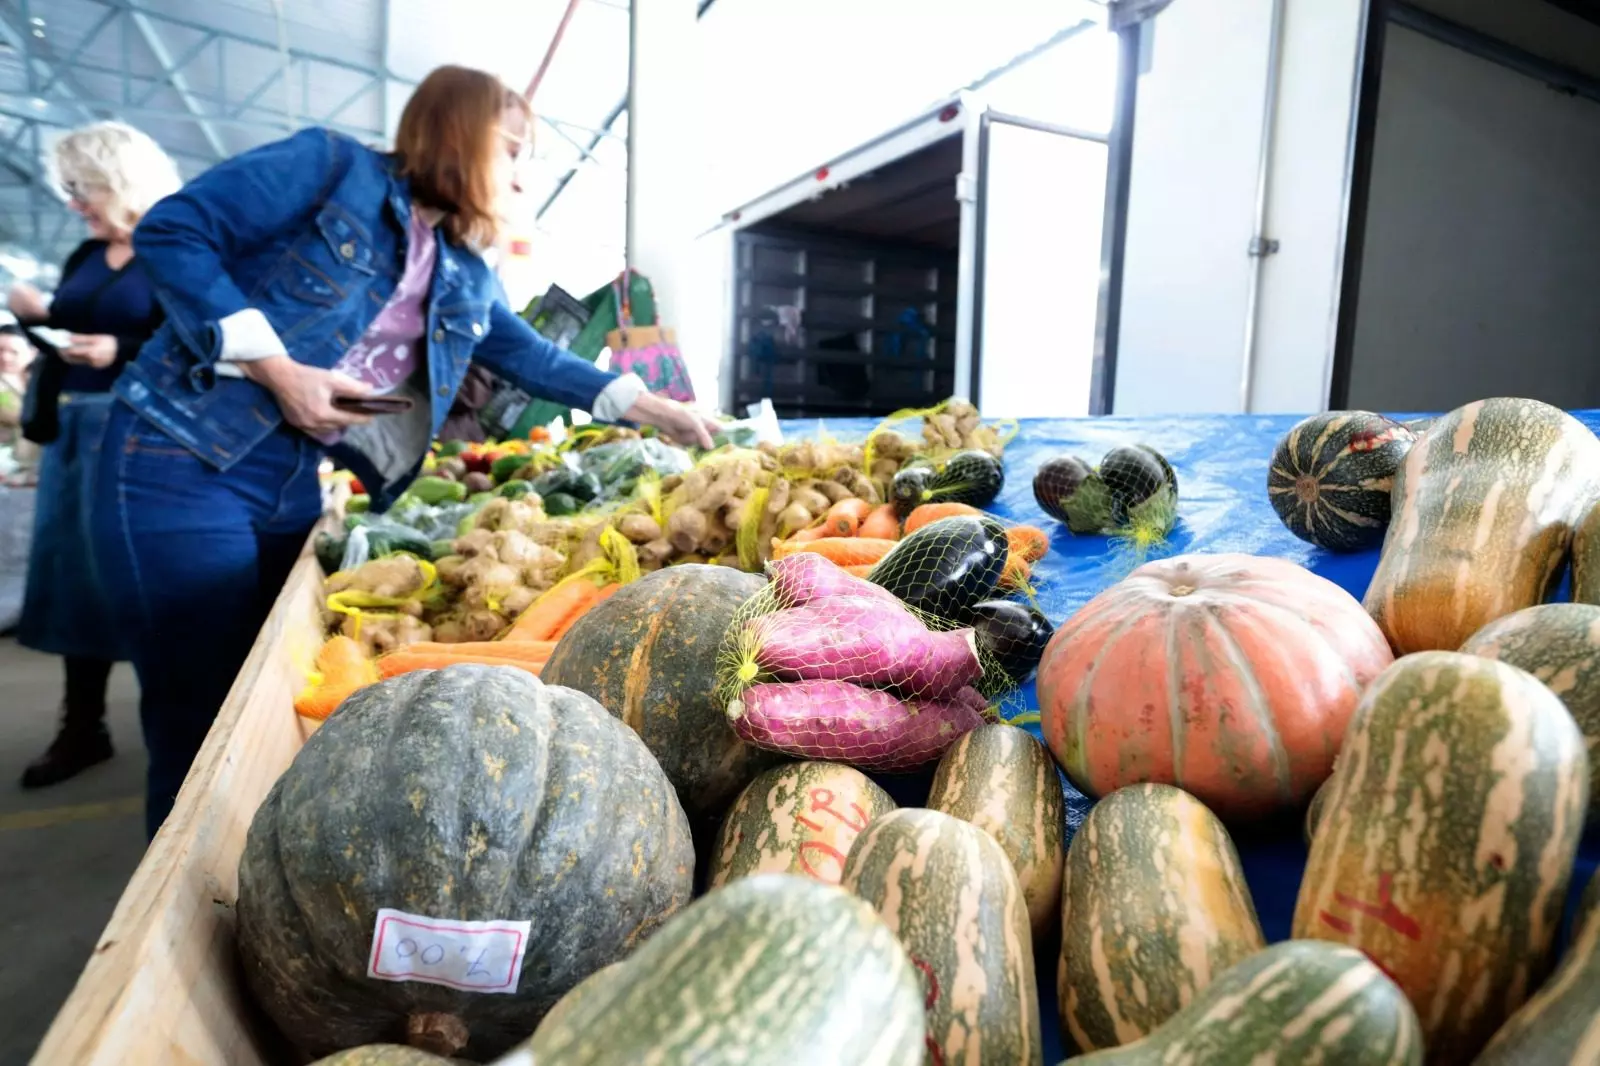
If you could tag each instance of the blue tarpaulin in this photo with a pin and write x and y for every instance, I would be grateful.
(1221, 462)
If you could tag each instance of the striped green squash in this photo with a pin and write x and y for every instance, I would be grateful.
(800, 818)
(1561, 1023)
(1484, 510)
(1447, 842)
(1154, 908)
(1319, 799)
(580, 991)
(1331, 474)
(1559, 643)
(950, 894)
(1002, 780)
(384, 1055)
(771, 969)
(1298, 1002)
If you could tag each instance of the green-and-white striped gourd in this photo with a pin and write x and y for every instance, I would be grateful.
(800, 818)
(1294, 1004)
(1330, 477)
(1559, 643)
(1560, 1025)
(1485, 506)
(1002, 780)
(774, 968)
(1154, 908)
(1446, 844)
(950, 894)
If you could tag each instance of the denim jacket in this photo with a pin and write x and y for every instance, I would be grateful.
(310, 232)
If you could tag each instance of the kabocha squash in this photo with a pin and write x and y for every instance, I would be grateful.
(1301, 1001)
(1230, 676)
(466, 795)
(770, 969)
(649, 656)
(800, 819)
(1484, 510)
(1154, 908)
(1558, 643)
(1445, 846)
(949, 893)
(1586, 558)
(1002, 780)
(1560, 1025)
(1331, 474)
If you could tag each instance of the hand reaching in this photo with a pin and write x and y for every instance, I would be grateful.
(305, 394)
(677, 422)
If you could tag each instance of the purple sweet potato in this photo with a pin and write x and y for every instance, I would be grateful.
(807, 577)
(867, 642)
(835, 720)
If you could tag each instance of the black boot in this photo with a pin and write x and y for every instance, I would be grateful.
(83, 740)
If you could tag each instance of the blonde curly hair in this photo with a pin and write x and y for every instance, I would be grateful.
(117, 159)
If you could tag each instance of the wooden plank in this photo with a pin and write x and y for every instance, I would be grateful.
(163, 984)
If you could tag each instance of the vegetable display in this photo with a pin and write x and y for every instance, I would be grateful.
(1331, 475)
(949, 893)
(1154, 908)
(1250, 667)
(1445, 846)
(1485, 506)
(469, 794)
(1301, 1001)
(1133, 489)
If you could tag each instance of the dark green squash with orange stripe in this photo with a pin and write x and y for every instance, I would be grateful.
(1154, 908)
(1331, 474)
(801, 818)
(1558, 643)
(1485, 506)
(949, 893)
(649, 656)
(1299, 1002)
(1002, 780)
(1560, 1025)
(1446, 842)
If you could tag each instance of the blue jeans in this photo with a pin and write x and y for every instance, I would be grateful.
(192, 558)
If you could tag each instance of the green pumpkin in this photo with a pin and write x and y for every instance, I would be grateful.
(472, 793)
(383, 1055)
(649, 656)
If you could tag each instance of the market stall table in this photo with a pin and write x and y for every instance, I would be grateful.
(162, 984)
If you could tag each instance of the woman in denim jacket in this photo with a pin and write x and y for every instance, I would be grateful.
(304, 273)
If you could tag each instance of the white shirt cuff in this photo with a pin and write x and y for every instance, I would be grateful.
(615, 399)
(247, 337)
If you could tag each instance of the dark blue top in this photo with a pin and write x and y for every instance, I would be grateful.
(93, 298)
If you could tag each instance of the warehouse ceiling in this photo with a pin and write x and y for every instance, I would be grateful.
(212, 78)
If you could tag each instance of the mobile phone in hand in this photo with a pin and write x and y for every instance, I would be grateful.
(374, 405)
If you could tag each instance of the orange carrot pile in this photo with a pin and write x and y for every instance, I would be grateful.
(554, 612)
(845, 517)
(529, 655)
(343, 667)
(844, 551)
(1029, 542)
(932, 512)
(882, 524)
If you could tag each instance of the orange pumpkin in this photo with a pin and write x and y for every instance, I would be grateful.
(1230, 676)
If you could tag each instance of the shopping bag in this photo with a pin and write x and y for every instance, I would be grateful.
(651, 352)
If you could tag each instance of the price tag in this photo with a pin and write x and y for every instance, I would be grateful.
(470, 956)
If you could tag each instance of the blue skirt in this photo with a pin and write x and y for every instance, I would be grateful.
(64, 611)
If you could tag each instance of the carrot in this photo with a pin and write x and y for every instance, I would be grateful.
(1030, 542)
(860, 571)
(344, 668)
(557, 607)
(529, 655)
(602, 594)
(932, 512)
(844, 551)
(1017, 572)
(812, 533)
(845, 517)
(883, 524)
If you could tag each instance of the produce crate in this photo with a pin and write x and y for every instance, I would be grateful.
(163, 985)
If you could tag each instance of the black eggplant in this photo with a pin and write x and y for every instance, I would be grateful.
(1133, 475)
(1012, 637)
(946, 568)
(1166, 467)
(1057, 481)
(910, 488)
(973, 478)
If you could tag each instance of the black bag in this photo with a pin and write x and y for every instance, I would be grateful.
(41, 419)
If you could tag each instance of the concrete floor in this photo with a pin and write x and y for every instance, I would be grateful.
(65, 852)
